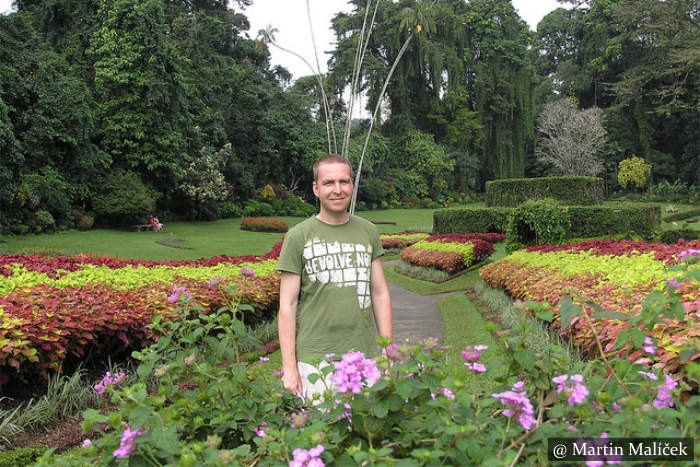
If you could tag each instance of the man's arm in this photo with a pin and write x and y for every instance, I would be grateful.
(381, 301)
(290, 284)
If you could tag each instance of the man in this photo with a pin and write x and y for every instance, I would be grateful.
(332, 275)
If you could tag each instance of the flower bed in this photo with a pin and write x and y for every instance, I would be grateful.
(617, 276)
(450, 253)
(264, 225)
(54, 308)
(401, 239)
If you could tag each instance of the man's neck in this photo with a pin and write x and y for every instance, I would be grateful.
(333, 219)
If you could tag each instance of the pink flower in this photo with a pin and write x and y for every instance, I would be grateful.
(189, 360)
(649, 375)
(690, 253)
(278, 373)
(519, 406)
(596, 406)
(473, 354)
(663, 394)
(298, 420)
(264, 359)
(86, 443)
(577, 392)
(246, 271)
(215, 280)
(160, 372)
(310, 458)
(353, 371)
(674, 283)
(128, 442)
(177, 292)
(429, 343)
(649, 346)
(447, 393)
(606, 460)
(476, 367)
(616, 407)
(109, 380)
(213, 441)
(260, 432)
(519, 386)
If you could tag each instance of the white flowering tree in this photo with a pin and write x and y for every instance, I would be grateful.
(570, 138)
(203, 181)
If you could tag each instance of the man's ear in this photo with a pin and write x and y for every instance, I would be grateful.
(315, 187)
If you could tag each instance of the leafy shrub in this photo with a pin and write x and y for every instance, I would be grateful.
(21, 456)
(51, 191)
(633, 170)
(480, 220)
(19, 229)
(263, 225)
(123, 199)
(536, 222)
(268, 192)
(228, 209)
(256, 208)
(45, 221)
(682, 215)
(672, 236)
(567, 190)
(593, 221)
(375, 191)
(83, 221)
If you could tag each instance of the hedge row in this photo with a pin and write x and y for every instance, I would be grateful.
(476, 220)
(567, 190)
(584, 221)
(680, 216)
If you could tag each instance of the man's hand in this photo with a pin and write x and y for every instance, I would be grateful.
(292, 381)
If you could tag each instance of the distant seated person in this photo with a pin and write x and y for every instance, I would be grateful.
(157, 226)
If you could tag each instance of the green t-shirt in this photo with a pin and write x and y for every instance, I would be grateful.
(334, 313)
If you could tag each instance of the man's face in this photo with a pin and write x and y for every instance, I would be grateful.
(333, 187)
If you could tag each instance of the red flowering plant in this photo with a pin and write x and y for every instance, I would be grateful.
(257, 224)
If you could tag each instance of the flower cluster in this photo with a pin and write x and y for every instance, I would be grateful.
(259, 430)
(519, 406)
(353, 370)
(298, 420)
(471, 355)
(108, 380)
(307, 458)
(663, 394)
(128, 442)
(577, 392)
(649, 346)
(177, 292)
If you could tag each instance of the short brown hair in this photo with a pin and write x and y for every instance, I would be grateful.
(331, 159)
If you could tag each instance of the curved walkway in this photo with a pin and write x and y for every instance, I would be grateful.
(415, 316)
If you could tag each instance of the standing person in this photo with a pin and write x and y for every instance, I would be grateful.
(332, 278)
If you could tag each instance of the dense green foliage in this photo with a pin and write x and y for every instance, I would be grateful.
(178, 96)
(473, 220)
(672, 236)
(679, 216)
(566, 190)
(537, 222)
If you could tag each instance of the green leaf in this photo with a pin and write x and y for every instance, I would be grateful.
(546, 315)
(380, 409)
(243, 450)
(93, 415)
(140, 415)
(637, 336)
(611, 315)
(245, 307)
(687, 353)
(568, 310)
(525, 359)
(166, 440)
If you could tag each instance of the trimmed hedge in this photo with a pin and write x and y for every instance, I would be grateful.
(672, 236)
(583, 221)
(680, 216)
(471, 220)
(581, 191)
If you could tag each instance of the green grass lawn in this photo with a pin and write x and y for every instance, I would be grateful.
(205, 239)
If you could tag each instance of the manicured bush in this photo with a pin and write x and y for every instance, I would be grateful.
(264, 225)
(680, 216)
(256, 208)
(672, 236)
(536, 222)
(480, 220)
(401, 239)
(566, 190)
(593, 221)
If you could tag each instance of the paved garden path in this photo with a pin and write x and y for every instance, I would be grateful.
(416, 317)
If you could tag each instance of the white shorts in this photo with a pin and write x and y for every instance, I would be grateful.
(319, 387)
